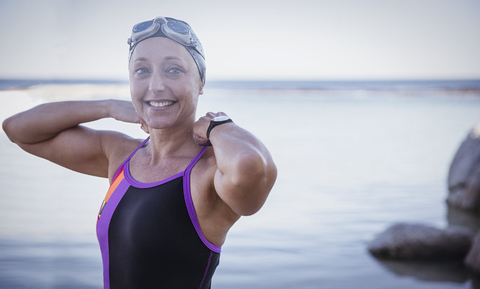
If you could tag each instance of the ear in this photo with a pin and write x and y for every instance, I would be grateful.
(201, 88)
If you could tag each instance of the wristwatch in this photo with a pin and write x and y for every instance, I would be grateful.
(218, 120)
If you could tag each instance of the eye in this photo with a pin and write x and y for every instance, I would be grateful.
(140, 71)
(174, 70)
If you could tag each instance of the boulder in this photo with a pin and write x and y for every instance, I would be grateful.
(421, 242)
(464, 218)
(445, 271)
(464, 174)
(472, 261)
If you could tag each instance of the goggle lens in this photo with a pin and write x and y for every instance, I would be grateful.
(178, 27)
(142, 26)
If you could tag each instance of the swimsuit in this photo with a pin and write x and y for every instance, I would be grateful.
(150, 236)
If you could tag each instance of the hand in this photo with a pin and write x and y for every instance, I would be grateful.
(201, 125)
(124, 111)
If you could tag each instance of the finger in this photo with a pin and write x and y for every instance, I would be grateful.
(144, 127)
(215, 114)
(200, 138)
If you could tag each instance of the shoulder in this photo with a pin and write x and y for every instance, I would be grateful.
(117, 148)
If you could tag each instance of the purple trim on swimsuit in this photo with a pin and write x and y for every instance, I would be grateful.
(103, 225)
(107, 213)
(141, 185)
(206, 270)
(189, 203)
(135, 183)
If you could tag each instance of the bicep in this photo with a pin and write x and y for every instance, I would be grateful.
(79, 148)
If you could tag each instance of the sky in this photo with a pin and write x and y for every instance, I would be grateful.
(250, 39)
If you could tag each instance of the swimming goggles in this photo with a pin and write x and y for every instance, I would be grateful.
(177, 30)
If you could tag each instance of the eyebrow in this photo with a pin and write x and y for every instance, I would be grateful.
(141, 58)
(172, 58)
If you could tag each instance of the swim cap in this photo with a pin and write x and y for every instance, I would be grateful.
(176, 30)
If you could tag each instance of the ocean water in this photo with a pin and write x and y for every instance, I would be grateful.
(351, 162)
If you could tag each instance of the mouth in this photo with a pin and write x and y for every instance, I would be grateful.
(160, 104)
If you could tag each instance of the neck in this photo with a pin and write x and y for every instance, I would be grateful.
(171, 142)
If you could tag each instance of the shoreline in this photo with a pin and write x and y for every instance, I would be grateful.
(461, 85)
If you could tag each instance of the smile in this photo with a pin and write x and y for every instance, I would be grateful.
(160, 103)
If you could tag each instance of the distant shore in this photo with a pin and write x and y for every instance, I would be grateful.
(465, 86)
(12, 84)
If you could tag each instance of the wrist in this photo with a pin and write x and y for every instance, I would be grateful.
(216, 121)
(107, 108)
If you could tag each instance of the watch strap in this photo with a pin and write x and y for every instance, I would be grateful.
(213, 124)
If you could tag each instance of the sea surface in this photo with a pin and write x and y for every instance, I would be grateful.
(353, 158)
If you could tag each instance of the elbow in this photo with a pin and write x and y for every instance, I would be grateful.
(7, 128)
(254, 170)
(13, 129)
(249, 211)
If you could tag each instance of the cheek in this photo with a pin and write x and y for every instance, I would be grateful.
(193, 104)
(136, 86)
(136, 96)
(136, 89)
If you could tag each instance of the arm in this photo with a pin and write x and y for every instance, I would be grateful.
(245, 170)
(52, 131)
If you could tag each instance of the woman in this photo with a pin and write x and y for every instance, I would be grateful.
(174, 196)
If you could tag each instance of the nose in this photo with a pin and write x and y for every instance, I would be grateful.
(157, 83)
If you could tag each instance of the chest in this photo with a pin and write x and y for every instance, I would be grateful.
(152, 218)
(143, 171)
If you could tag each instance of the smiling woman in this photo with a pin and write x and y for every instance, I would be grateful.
(164, 87)
(173, 196)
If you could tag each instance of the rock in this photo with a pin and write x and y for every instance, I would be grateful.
(434, 271)
(421, 242)
(472, 261)
(464, 173)
(463, 218)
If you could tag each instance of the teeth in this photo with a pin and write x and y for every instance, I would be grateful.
(160, 104)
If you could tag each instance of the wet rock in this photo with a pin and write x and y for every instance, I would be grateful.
(463, 218)
(421, 242)
(434, 271)
(464, 173)
(472, 261)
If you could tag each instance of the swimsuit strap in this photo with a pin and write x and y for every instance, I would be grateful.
(139, 147)
(130, 156)
(195, 159)
(189, 202)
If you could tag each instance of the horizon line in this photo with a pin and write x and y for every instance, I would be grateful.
(323, 84)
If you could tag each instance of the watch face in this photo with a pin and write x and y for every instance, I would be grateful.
(220, 118)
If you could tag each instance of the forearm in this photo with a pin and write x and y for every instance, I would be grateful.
(45, 121)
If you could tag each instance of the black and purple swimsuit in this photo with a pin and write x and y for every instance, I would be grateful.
(150, 236)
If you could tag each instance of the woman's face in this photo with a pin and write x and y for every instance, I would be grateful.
(164, 83)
